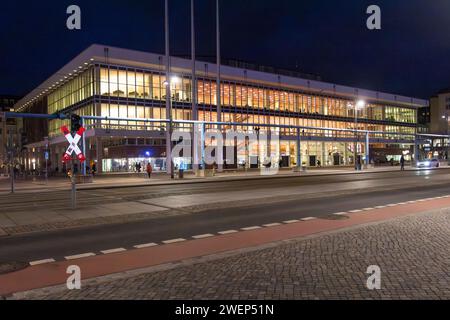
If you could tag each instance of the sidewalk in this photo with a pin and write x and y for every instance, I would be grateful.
(38, 184)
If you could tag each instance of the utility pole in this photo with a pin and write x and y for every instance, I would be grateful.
(193, 57)
(46, 156)
(169, 162)
(448, 138)
(10, 151)
(355, 147)
(4, 139)
(358, 104)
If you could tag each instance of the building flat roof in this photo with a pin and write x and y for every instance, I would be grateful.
(139, 59)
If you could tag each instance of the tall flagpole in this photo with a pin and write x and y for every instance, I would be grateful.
(195, 155)
(194, 78)
(218, 94)
(219, 106)
(169, 162)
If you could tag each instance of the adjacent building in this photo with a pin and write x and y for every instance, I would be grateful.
(121, 83)
(439, 124)
(10, 133)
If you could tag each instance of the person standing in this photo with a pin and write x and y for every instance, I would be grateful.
(94, 169)
(402, 163)
(149, 170)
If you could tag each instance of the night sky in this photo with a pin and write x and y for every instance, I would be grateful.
(409, 56)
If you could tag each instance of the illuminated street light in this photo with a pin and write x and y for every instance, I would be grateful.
(175, 80)
(361, 104)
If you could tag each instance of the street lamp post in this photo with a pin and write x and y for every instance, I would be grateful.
(257, 129)
(358, 105)
(448, 136)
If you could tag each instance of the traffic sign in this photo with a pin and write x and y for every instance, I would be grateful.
(73, 144)
(46, 155)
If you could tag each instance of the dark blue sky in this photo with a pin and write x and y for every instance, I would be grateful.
(410, 55)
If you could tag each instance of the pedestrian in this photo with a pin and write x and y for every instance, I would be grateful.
(149, 170)
(402, 163)
(94, 169)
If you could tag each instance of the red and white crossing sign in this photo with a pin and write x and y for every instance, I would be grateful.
(73, 144)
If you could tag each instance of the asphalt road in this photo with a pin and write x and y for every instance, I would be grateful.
(58, 244)
(60, 199)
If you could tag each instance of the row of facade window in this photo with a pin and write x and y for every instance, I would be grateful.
(131, 111)
(135, 85)
(73, 91)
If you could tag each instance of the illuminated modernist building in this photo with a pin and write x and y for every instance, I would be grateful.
(120, 83)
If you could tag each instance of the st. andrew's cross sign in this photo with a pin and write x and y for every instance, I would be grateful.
(73, 144)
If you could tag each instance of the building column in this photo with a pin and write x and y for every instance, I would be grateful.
(346, 162)
(416, 151)
(99, 153)
(299, 150)
(324, 163)
(367, 150)
(4, 140)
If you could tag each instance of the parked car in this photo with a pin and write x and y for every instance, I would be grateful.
(428, 163)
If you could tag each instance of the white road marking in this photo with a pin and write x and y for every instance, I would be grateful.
(227, 232)
(392, 205)
(291, 221)
(354, 211)
(367, 209)
(202, 236)
(174, 240)
(113, 250)
(412, 201)
(145, 245)
(272, 224)
(380, 207)
(308, 218)
(34, 263)
(340, 213)
(79, 256)
(251, 228)
(402, 203)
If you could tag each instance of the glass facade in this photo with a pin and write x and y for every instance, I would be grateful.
(242, 103)
(72, 92)
(132, 84)
(125, 92)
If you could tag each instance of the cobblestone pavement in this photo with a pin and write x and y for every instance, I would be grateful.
(412, 252)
